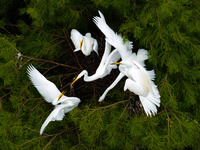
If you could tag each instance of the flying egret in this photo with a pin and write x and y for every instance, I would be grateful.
(84, 43)
(51, 94)
(105, 66)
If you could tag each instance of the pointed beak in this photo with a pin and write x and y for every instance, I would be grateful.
(63, 92)
(74, 81)
(117, 63)
(81, 43)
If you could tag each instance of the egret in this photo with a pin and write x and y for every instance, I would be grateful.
(124, 49)
(139, 80)
(105, 66)
(84, 43)
(51, 94)
(140, 58)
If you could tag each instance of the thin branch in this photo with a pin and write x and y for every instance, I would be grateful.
(46, 146)
(4, 96)
(49, 61)
(77, 60)
(168, 119)
(43, 137)
(177, 119)
(107, 105)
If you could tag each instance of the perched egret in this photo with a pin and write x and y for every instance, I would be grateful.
(84, 43)
(51, 94)
(140, 81)
(105, 66)
(140, 58)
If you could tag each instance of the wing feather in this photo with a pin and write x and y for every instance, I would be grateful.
(46, 88)
(76, 37)
(125, 49)
(57, 114)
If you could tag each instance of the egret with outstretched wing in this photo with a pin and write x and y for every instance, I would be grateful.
(51, 94)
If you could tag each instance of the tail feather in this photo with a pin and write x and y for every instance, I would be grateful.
(149, 107)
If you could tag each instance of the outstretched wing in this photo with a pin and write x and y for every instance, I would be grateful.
(124, 48)
(76, 37)
(46, 88)
(57, 114)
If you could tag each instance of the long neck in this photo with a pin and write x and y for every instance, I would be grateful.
(87, 78)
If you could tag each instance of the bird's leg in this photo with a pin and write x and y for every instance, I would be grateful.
(119, 77)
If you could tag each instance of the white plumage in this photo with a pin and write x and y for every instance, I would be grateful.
(105, 66)
(139, 80)
(52, 95)
(84, 43)
(125, 49)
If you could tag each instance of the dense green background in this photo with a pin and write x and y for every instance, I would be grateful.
(40, 31)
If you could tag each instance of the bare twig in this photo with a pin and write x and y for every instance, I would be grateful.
(168, 119)
(77, 60)
(49, 61)
(4, 96)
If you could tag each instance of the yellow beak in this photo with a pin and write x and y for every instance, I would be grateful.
(74, 81)
(63, 92)
(81, 43)
(117, 63)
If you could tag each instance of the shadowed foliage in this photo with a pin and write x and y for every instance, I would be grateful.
(38, 32)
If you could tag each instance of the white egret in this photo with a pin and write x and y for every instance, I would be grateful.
(84, 43)
(140, 82)
(140, 58)
(131, 66)
(51, 94)
(124, 49)
(105, 66)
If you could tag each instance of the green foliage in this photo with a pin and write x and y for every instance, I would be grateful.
(38, 32)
